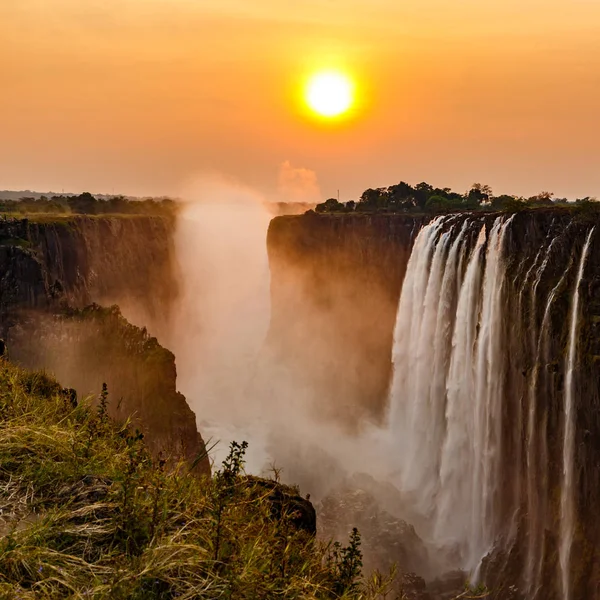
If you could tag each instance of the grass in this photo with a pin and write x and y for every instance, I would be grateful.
(86, 513)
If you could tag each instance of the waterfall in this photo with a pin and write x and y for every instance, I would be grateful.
(446, 394)
(472, 387)
(536, 452)
(567, 500)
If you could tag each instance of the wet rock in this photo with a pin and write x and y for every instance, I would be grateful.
(335, 283)
(413, 587)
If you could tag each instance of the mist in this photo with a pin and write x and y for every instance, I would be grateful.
(232, 379)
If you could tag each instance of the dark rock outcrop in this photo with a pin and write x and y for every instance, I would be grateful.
(286, 502)
(86, 348)
(386, 540)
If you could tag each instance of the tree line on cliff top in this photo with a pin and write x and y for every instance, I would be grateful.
(423, 197)
(87, 204)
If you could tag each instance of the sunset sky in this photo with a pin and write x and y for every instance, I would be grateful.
(146, 96)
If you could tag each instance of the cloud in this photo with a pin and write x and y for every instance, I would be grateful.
(297, 184)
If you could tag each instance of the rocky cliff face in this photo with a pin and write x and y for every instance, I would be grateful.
(87, 348)
(76, 260)
(340, 276)
(339, 279)
(52, 268)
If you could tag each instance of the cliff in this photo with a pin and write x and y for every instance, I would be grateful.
(52, 268)
(339, 278)
(87, 348)
(127, 260)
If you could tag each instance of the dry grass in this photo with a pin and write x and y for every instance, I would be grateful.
(86, 513)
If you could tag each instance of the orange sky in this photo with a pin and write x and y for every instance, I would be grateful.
(144, 96)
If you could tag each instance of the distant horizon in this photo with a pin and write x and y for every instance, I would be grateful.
(275, 200)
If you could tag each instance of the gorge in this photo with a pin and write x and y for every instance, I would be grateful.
(451, 358)
(491, 402)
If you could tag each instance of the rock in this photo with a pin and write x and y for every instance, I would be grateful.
(412, 587)
(335, 283)
(286, 500)
(78, 260)
(449, 585)
(89, 347)
(386, 540)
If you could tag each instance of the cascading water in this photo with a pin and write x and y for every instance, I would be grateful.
(536, 451)
(454, 381)
(447, 388)
(567, 493)
(483, 399)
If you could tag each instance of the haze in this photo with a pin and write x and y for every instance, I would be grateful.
(140, 96)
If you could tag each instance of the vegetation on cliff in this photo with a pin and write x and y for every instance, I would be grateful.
(86, 512)
(87, 204)
(425, 198)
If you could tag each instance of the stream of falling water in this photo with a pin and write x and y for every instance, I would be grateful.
(446, 394)
(537, 452)
(567, 499)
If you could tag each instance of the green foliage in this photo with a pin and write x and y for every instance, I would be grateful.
(88, 513)
(103, 403)
(424, 198)
(346, 563)
(87, 204)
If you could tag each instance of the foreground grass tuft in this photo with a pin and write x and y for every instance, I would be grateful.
(86, 513)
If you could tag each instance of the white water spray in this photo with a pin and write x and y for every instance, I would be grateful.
(446, 395)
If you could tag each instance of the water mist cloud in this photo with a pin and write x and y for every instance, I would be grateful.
(298, 184)
(237, 388)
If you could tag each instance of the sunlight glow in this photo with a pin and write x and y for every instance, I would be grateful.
(329, 94)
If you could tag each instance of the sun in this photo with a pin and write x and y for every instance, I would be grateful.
(329, 94)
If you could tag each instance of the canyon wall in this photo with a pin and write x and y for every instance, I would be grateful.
(335, 283)
(488, 356)
(53, 269)
(51, 261)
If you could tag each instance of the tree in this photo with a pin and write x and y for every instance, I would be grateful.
(422, 192)
(541, 199)
(330, 205)
(479, 194)
(84, 203)
(438, 203)
(502, 201)
(374, 198)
